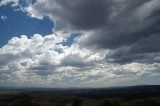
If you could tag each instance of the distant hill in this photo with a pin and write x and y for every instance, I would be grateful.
(129, 90)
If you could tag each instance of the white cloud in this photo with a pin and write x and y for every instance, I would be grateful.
(3, 17)
(39, 12)
(35, 61)
(5, 2)
(15, 3)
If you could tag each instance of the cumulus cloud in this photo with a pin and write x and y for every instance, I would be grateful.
(35, 61)
(38, 56)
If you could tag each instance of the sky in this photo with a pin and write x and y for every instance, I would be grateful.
(79, 43)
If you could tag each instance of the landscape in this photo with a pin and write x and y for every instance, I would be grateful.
(79, 52)
(146, 95)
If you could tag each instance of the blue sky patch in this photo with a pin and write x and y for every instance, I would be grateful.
(71, 39)
(17, 23)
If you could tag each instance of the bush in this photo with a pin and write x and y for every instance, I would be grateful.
(22, 100)
(77, 102)
(150, 103)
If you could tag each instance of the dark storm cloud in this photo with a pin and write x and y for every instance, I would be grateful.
(112, 24)
(92, 14)
(145, 49)
(85, 14)
(76, 14)
(137, 32)
(126, 28)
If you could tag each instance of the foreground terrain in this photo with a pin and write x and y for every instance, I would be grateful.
(126, 96)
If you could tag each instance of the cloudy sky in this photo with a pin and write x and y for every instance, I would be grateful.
(79, 43)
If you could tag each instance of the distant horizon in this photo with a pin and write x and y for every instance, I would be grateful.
(77, 87)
